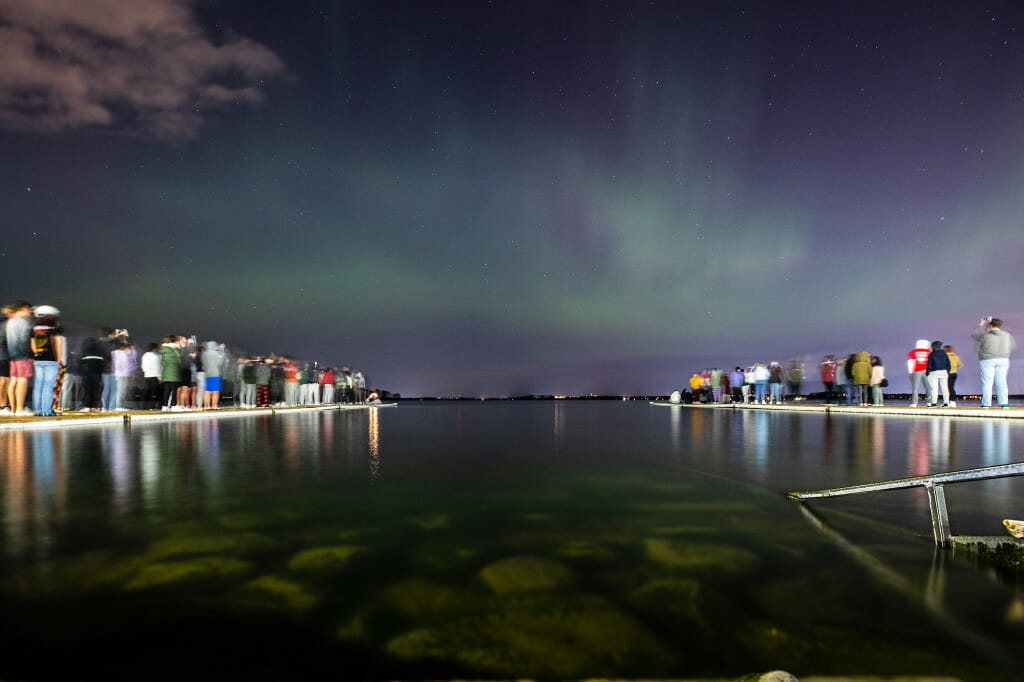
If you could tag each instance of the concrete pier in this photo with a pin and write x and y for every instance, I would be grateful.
(73, 419)
(972, 411)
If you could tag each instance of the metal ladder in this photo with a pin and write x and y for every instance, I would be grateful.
(932, 483)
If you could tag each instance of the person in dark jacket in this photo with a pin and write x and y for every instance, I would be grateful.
(937, 372)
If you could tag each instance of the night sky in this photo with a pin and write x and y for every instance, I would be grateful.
(494, 198)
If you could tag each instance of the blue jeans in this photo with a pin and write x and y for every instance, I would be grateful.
(776, 392)
(759, 388)
(44, 382)
(994, 368)
(109, 399)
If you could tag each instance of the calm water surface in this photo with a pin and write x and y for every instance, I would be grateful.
(532, 539)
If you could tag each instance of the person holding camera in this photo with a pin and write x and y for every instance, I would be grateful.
(994, 348)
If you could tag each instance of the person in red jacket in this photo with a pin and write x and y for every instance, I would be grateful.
(917, 365)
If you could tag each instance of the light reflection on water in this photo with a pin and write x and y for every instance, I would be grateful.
(437, 492)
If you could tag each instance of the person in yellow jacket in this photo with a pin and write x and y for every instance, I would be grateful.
(955, 363)
(861, 373)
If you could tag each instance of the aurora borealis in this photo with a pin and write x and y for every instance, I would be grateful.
(501, 198)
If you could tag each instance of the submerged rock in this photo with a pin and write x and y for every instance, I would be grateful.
(584, 549)
(194, 570)
(90, 571)
(690, 604)
(678, 554)
(324, 559)
(525, 574)
(275, 592)
(418, 599)
(234, 544)
(541, 637)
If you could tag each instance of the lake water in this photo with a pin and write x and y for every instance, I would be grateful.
(518, 539)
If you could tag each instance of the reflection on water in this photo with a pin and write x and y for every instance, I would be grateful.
(496, 529)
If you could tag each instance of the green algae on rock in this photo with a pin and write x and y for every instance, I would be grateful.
(552, 637)
(584, 549)
(324, 559)
(233, 544)
(193, 570)
(525, 574)
(275, 592)
(678, 554)
(81, 573)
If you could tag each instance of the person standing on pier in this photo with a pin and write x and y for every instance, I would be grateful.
(828, 377)
(938, 375)
(917, 365)
(955, 363)
(19, 333)
(994, 348)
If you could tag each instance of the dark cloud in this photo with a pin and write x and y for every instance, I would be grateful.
(143, 66)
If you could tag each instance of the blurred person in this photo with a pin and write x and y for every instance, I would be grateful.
(90, 365)
(340, 382)
(327, 386)
(736, 382)
(277, 382)
(761, 376)
(994, 347)
(187, 386)
(937, 372)
(955, 363)
(312, 384)
(108, 397)
(860, 372)
(199, 392)
(840, 380)
(748, 383)
(49, 352)
(19, 349)
(695, 384)
(794, 377)
(152, 370)
(247, 374)
(715, 382)
(71, 385)
(917, 365)
(123, 364)
(213, 364)
(359, 386)
(170, 371)
(303, 379)
(291, 383)
(264, 372)
(878, 380)
(5, 361)
(828, 377)
(850, 387)
(775, 383)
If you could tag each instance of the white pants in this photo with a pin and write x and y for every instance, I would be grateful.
(936, 380)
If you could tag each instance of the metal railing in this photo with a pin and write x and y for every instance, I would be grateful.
(932, 483)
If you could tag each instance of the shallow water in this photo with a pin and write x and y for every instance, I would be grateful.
(532, 539)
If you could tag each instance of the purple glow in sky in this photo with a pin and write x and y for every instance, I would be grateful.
(503, 198)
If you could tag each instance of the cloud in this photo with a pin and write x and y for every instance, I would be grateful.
(143, 66)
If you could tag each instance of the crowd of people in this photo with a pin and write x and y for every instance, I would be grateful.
(859, 378)
(43, 374)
